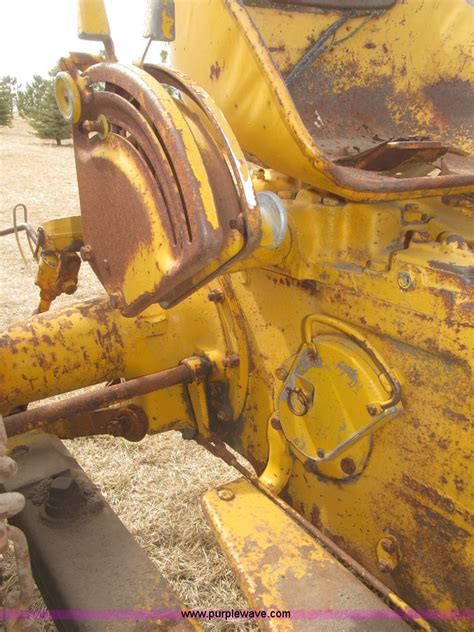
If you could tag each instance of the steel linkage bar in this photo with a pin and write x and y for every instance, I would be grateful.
(187, 371)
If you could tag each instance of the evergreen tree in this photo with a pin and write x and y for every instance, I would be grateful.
(37, 104)
(7, 99)
(28, 100)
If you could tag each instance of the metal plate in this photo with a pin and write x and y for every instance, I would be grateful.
(280, 566)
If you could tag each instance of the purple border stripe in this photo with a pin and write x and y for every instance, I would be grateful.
(223, 613)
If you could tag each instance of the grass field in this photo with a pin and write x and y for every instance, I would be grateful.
(154, 486)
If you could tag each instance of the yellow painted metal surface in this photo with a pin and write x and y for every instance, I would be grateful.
(282, 567)
(246, 84)
(92, 20)
(373, 286)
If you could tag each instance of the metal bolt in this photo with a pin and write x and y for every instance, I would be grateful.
(64, 498)
(281, 373)
(115, 300)
(388, 545)
(276, 423)
(231, 361)
(216, 296)
(117, 427)
(86, 253)
(348, 466)
(225, 494)
(372, 410)
(62, 486)
(320, 453)
(405, 280)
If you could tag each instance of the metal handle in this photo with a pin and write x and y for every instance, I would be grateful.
(373, 408)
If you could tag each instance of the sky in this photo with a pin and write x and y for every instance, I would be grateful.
(34, 34)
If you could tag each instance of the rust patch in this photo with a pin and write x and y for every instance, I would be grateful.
(216, 70)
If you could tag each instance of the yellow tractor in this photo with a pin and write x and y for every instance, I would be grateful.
(282, 221)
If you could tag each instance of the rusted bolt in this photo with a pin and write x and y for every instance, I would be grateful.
(348, 466)
(216, 296)
(281, 373)
(118, 427)
(320, 453)
(91, 126)
(62, 486)
(115, 300)
(405, 280)
(86, 253)
(372, 410)
(64, 498)
(225, 494)
(388, 545)
(231, 361)
(276, 423)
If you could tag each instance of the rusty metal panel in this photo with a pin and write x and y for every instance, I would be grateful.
(161, 200)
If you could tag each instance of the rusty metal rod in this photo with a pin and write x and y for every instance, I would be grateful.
(189, 370)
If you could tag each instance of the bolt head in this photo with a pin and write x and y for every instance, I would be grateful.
(388, 545)
(348, 466)
(61, 484)
(320, 453)
(276, 423)
(231, 361)
(281, 373)
(115, 300)
(405, 281)
(216, 296)
(225, 494)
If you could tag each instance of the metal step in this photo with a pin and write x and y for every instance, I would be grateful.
(282, 567)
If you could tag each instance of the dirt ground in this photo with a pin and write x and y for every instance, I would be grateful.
(154, 486)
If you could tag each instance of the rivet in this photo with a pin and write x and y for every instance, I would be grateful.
(348, 466)
(276, 423)
(225, 494)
